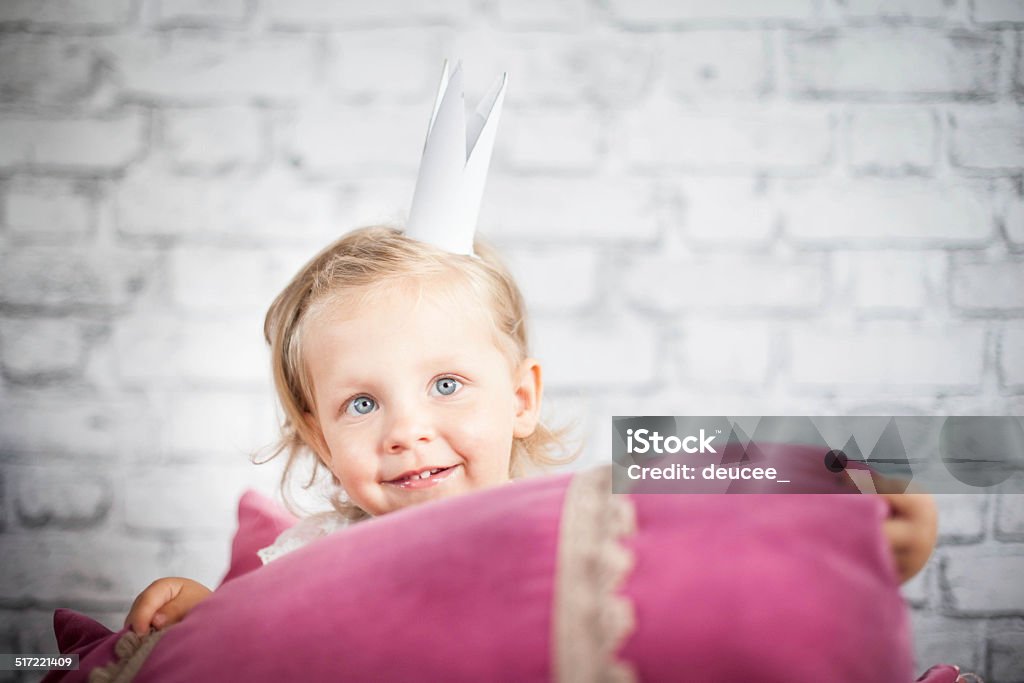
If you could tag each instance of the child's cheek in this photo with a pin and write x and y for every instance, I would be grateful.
(485, 437)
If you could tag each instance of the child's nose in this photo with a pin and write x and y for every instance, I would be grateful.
(407, 428)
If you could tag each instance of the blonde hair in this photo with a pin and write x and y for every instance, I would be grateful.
(355, 267)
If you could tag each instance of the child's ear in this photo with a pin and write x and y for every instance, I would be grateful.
(529, 387)
(319, 444)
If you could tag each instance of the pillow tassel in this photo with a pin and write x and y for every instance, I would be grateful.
(131, 650)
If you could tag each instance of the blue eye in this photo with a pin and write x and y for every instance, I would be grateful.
(361, 405)
(446, 386)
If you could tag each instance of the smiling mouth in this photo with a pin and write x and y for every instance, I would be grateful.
(424, 478)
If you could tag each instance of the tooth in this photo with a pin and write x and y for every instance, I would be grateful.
(424, 475)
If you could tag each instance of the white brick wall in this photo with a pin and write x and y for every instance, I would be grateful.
(868, 211)
(83, 144)
(881, 356)
(214, 137)
(892, 139)
(987, 137)
(727, 139)
(787, 207)
(49, 210)
(893, 62)
(64, 14)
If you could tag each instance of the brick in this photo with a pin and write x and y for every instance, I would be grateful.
(961, 517)
(980, 286)
(329, 137)
(197, 11)
(97, 144)
(942, 640)
(915, 591)
(1011, 356)
(555, 280)
(648, 13)
(931, 10)
(166, 350)
(893, 62)
(325, 13)
(47, 210)
(38, 349)
(541, 14)
(889, 211)
(551, 140)
(60, 278)
(626, 352)
(1006, 651)
(1010, 516)
(1013, 221)
(603, 70)
(404, 65)
(77, 13)
(732, 212)
(567, 210)
(718, 64)
(983, 582)
(213, 138)
(741, 138)
(997, 12)
(989, 138)
(60, 499)
(213, 422)
(181, 498)
(724, 283)
(44, 69)
(56, 567)
(94, 427)
(892, 140)
(196, 67)
(717, 352)
(274, 205)
(889, 281)
(231, 279)
(888, 355)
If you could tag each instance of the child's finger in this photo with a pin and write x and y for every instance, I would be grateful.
(155, 596)
(171, 613)
(919, 507)
(141, 614)
(899, 533)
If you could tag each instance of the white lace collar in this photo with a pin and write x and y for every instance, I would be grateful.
(305, 531)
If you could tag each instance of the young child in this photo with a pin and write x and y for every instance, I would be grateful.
(401, 361)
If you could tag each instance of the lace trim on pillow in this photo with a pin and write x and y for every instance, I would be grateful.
(303, 533)
(591, 619)
(131, 651)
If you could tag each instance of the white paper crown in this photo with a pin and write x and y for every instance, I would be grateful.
(453, 171)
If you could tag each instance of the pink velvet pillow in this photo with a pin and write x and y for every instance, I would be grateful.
(556, 577)
(260, 521)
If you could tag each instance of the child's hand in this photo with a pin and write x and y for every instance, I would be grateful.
(165, 602)
(911, 529)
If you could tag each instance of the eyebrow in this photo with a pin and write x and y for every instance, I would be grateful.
(344, 384)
